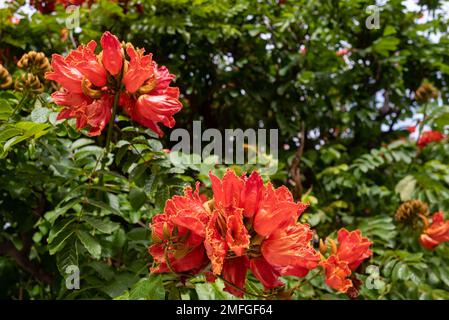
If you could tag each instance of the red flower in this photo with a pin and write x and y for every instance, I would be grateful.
(437, 233)
(337, 273)
(139, 69)
(178, 234)
(158, 101)
(411, 129)
(265, 273)
(353, 248)
(112, 53)
(89, 82)
(430, 136)
(279, 245)
(85, 61)
(276, 210)
(342, 52)
(68, 76)
(234, 274)
(290, 250)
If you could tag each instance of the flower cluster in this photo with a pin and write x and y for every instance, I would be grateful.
(91, 84)
(436, 233)
(246, 226)
(352, 250)
(178, 235)
(430, 136)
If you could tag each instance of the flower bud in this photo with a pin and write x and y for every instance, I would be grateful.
(323, 247)
(30, 83)
(333, 246)
(409, 211)
(35, 63)
(426, 92)
(5, 78)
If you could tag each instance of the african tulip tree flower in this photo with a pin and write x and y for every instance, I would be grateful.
(352, 250)
(436, 233)
(248, 226)
(257, 221)
(430, 136)
(178, 235)
(90, 82)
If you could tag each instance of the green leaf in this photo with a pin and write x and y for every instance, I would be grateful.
(150, 288)
(40, 115)
(90, 243)
(137, 198)
(103, 225)
(58, 242)
(406, 187)
(68, 256)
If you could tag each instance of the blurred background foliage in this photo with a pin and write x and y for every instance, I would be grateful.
(341, 95)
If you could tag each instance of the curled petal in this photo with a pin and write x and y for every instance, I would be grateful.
(85, 60)
(151, 110)
(265, 273)
(251, 194)
(234, 271)
(291, 247)
(66, 75)
(98, 114)
(436, 233)
(112, 57)
(227, 191)
(70, 99)
(139, 70)
(215, 244)
(353, 248)
(337, 273)
(192, 261)
(276, 211)
(237, 236)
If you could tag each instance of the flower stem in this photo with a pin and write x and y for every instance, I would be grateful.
(421, 125)
(109, 135)
(19, 105)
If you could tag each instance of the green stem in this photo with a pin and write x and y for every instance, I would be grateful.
(109, 135)
(19, 105)
(421, 125)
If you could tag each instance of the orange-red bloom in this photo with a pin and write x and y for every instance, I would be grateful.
(90, 81)
(437, 233)
(257, 221)
(430, 136)
(337, 273)
(178, 235)
(353, 249)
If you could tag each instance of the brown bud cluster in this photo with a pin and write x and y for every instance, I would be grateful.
(35, 63)
(425, 93)
(5, 78)
(29, 83)
(410, 211)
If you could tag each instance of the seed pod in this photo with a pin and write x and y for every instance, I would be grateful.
(426, 92)
(409, 211)
(5, 78)
(30, 83)
(35, 63)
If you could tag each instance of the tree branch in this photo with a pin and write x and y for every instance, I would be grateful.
(21, 258)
